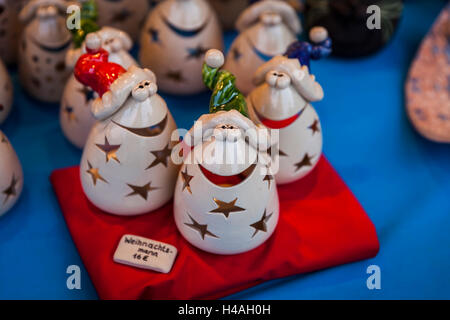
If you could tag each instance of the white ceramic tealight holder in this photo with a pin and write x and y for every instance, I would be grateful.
(266, 29)
(126, 167)
(11, 175)
(75, 115)
(43, 47)
(10, 29)
(6, 93)
(231, 206)
(282, 101)
(126, 15)
(174, 40)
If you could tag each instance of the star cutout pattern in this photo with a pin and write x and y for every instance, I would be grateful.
(88, 94)
(200, 228)
(141, 191)
(109, 150)
(274, 149)
(315, 126)
(236, 54)
(154, 35)
(175, 76)
(186, 180)
(11, 190)
(306, 162)
(261, 225)
(269, 179)
(95, 174)
(161, 156)
(226, 207)
(196, 53)
(3, 139)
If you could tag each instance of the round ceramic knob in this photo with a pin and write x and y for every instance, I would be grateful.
(93, 41)
(214, 58)
(318, 34)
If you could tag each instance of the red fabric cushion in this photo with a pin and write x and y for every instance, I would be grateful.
(321, 225)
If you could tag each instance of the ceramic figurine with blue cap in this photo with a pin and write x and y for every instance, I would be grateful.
(266, 29)
(282, 101)
(226, 201)
(43, 47)
(174, 42)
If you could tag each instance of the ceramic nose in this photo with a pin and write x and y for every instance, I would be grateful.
(144, 90)
(278, 80)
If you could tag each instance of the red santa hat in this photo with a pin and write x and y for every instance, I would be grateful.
(111, 81)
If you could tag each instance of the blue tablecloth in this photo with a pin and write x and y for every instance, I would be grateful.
(402, 180)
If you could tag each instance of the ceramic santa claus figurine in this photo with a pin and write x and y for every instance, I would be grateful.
(282, 101)
(43, 47)
(75, 114)
(126, 168)
(266, 29)
(9, 29)
(6, 93)
(126, 15)
(226, 201)
(11, 175)
(174, 40)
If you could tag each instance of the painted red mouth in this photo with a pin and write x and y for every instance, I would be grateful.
(227, 181)
(279, 124)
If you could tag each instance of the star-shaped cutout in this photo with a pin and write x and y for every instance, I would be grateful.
(95, 174)
(161, 156)
(70, 114)
(226, 207)
(186, 180)
(201, 228)
(236, 54)
(306, 161)
(121, 16)
(1, 107)
(3, 139)
(196, 53)
(275, 149)
(110, 150)
(88, 93)
(261, 225)
(11, 190)
(315, 126)
(175, 76)
(154, 34)
(269, 179)
(141, 191)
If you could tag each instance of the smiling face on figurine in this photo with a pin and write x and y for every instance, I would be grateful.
(266, 29)
(11, 176)
(6, 93)
(173, 43)
(43, 47)
(282, 101)
(126, 168)
(126, 15)
(76, 118)
(225, 200)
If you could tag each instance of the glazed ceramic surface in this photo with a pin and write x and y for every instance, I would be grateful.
(10, 29)
(126, 168)
(225, 207)
(75, 115)
(266, 28)
(6, 93)
(11, 175)
(228, 11)
(42, 50)
(126, 15)
(282, 102)
(174, 40)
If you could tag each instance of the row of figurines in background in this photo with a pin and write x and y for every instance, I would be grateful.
(127, 166)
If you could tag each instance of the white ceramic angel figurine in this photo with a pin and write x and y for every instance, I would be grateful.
(75, 117)
(6, 93)
(11, 175)
(43, 47)
(126, 168)
(266, 29)
(226, 201)
(282, 101)
(174, 41)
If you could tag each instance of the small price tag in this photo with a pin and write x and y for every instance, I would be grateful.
(145, 253)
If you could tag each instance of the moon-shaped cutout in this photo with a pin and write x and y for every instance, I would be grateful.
(184, 33)
(227, 181)
(279, 124)
(60, 48)
(146, 132)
